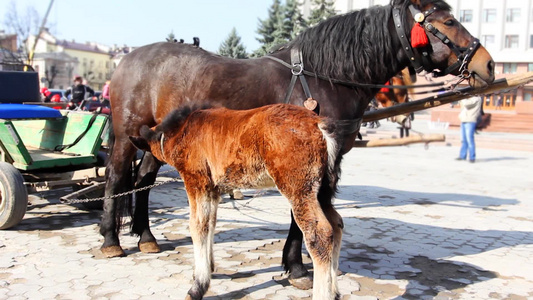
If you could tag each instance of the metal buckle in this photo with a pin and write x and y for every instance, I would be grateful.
(297, 69)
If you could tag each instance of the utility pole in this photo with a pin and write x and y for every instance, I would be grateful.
(30, 55)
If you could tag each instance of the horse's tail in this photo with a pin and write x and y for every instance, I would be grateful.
(124, 205)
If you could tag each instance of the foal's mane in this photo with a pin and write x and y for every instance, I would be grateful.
(177, 117)
(356, 46)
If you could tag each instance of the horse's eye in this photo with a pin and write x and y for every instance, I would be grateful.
(449, 23)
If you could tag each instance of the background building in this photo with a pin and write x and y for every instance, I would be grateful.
(58, 61)
(504, 27)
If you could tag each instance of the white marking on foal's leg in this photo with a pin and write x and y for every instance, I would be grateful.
(202, 222)
(322, 280)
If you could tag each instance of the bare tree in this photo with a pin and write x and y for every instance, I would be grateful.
(22, 26)
(50, 74)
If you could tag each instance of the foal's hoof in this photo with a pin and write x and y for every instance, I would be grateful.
(149, 247)
(113, 251)
(302, 283)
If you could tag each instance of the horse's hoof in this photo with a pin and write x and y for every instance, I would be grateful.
(302, 283)
(149, 247)
(113, 251)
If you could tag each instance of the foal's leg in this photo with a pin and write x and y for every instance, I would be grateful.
(118, 175)
(319, 236)
(337, 224)
(203, 206)
(299, 277)
(141, 226)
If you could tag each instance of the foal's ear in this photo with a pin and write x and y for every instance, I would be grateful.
(140, 142)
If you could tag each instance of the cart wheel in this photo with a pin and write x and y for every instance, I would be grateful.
(13, 196)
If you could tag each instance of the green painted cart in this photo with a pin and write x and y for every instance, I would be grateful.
(44, 151)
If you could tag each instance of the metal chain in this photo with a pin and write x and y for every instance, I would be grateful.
(85, 200)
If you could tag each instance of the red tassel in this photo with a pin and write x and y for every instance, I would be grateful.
(385, 89)
(418, 36)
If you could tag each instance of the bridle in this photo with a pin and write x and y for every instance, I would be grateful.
(420, 59)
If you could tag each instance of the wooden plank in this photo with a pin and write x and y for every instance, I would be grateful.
(13, 144)
(448, 97)
(43, 159)
(426, 138)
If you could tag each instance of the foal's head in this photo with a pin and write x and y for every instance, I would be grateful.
(153, 140)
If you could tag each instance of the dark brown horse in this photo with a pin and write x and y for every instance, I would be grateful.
(363, 47)
(279, 145)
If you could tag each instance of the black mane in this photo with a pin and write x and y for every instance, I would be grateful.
(356, 46)
(177, 117)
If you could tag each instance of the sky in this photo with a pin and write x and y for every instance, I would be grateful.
(138, 22)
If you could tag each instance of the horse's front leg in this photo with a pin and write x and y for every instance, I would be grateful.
(292, 262)
(146, 176)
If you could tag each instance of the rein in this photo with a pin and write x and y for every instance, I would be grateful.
(298, 69)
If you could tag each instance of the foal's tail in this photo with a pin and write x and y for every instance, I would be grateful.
(335, 133)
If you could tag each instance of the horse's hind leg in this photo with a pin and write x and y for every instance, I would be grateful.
(141, 226)
(118, 175)
(203, 207)
(299, 276)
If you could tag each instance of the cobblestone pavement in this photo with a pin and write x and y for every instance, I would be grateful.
(418, 225)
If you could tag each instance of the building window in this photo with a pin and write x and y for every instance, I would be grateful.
(487, 40)
(511, 41)
(528, 95)
(531, 41)
(509, 68)
(465, 16)
(513, 15)
(530, 67)
(489, 15)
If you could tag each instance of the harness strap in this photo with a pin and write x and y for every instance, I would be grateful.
(60, 148)
(354, 84)
(404, 40)
(297, 70)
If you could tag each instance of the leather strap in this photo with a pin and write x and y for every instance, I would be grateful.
(297, 70)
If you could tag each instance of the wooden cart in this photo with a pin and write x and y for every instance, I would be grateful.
(44, 149)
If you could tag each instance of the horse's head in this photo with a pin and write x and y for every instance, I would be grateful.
(150, 140)
(450, 47)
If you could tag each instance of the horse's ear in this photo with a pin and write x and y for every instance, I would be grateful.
(140, 143)
(416, 2)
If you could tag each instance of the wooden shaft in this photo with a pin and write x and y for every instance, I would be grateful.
(427, 138)
(448, 97)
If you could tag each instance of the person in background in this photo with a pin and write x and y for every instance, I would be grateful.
(105, 94)
(470, 112)
(45, 95)
(79, 92)
(499, 102)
